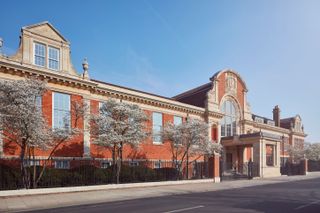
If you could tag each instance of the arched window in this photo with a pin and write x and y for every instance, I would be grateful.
(229, 121)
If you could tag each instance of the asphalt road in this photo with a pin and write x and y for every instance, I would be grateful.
(293, 197)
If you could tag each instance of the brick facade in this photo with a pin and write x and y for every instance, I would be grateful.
(203, 102)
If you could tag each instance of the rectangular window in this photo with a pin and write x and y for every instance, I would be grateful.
(61, 111)
(106, 164)
(157, 127)
(270, 155)
(133, 163)
(177, 120)
(31, 162)
(53, 58)
(259, 120)
(272, 123)
(39, 54)
(62, 164)
(101, 106)
(38, 103)
(157, 165)
(223, 130)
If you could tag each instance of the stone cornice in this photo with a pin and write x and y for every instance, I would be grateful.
(215, 114)
(149, 100)
(301, 134)
(266, 126)
(15, 68)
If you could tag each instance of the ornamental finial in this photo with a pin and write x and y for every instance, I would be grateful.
(85, 66)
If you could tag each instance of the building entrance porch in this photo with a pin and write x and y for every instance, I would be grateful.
(251, 155)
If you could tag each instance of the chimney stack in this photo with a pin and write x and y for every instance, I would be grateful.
(276, 115)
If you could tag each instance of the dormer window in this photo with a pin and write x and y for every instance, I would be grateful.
(272, 123)
(259, 120)
(39, 54)
(53, 58)
(46, 56)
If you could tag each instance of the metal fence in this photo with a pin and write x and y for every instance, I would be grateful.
(293, 168)
(65, 172)
(313, 166)
(236, 171)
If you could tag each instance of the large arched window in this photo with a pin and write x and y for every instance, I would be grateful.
(229, 121)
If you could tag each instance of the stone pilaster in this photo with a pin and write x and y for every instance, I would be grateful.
(216, 168)
(86, 134)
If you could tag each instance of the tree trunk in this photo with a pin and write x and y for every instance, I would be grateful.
(34, 183)
(24, 173)
(118, 166)
(187, 169)
(23, 178)
(114, 166)
(121, 148)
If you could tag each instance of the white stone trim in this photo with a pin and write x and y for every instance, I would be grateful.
(86, 133)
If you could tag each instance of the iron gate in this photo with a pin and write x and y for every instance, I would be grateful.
(238, 171)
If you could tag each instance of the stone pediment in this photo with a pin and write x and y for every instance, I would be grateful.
(45, 29)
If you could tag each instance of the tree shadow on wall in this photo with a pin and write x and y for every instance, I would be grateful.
(70, 150)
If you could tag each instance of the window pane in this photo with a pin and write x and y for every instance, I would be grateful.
(228, 122)
(269, 155)
(157, 126)
(61, 108)
(53, 58)
(39, 54)
(223, 130)
(177, 120)
(38, 102)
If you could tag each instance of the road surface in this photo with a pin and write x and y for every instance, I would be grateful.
(294, 197)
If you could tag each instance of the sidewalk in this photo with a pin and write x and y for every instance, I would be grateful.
(33, 202)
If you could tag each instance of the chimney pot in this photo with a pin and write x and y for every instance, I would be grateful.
(276, 115)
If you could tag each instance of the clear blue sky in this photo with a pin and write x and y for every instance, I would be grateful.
(166, 47)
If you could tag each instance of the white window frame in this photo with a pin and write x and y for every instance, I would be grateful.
(259, 120)
(229, 122)
(161, 127)
(157, 164)
(133, 163)
(58, 166)
(106, 164)
(56, 60)
(34, 54)
(175, 117)
(271, 123)
(53, 94)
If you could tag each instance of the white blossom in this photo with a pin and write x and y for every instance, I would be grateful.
(189, 138)
(23, 123)
(118, 124)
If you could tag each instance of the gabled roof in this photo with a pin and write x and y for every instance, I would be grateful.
(198, 89)
(123, 87)
(48, 24)
(286, 122)
(196, 96)
(217, 74)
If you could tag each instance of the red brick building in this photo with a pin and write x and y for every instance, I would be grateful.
(222, 103)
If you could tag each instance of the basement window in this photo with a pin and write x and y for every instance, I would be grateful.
(62, 164)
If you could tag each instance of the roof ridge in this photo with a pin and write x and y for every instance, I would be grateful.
(190, 91)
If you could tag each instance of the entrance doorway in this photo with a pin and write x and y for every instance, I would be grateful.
(229, 161)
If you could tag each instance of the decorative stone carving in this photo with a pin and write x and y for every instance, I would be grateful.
(212, 102)
(231, 83)
(85, 66)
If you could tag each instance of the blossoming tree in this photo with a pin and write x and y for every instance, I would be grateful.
(118, 124)
(188, 138)
(23, 123)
